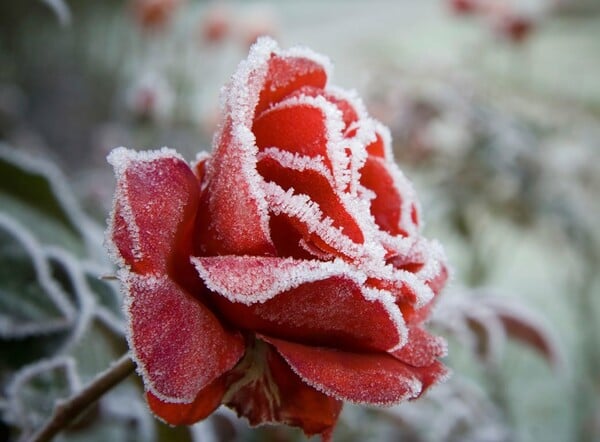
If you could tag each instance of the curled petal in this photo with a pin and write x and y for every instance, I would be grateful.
(369, 378)
(179, 345)
(155, 206)
(207, 401)
(289, 72)
(317, 305)
(317, 185)
(422, 349)
(252, 279)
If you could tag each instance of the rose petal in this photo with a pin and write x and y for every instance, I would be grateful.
(252, 279)
(155, 205)
(207, 401)
(349, 113)
(377, 147)
(269, 391)
(316, 184)
(300, 129)
(320, 312)
(316, 228)
(179, 345)
(368, 378)
(287, 73)
(387, 206)
(422, 349)
(234, 219)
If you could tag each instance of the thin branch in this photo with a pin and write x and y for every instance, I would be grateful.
(67, 410)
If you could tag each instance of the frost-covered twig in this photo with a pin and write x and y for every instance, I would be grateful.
(67, 410)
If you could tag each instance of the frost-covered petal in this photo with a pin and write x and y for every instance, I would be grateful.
(368, 378)
(234, 214)
(287, 73)
(264, 389)
(317, 185)
(206, 401)
(422, 349)
(252, 279)
(154, 206)
(348, 110)
(328, 307)
(178, 343)
(299, 128)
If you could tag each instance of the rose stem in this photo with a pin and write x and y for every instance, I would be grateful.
(67, 410)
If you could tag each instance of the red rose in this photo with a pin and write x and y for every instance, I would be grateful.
(285, 273)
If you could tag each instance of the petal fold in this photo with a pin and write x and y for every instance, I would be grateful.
(179, 345)
(154, 207)
(288, 73)
(366, 378)
(207, 401)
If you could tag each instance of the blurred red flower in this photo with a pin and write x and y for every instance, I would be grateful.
(154, 14)
(285, 273)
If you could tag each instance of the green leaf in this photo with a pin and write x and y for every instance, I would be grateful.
(36, 193)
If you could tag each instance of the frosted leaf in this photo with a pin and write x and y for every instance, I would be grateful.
(462, 410)
(33, 303)
(61, 9)
(32, 393)
(75, 282)
(47, 196)
(524, 325)
(483, 320)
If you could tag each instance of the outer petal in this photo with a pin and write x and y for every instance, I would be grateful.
(154, 209)
(252, 279)
(422, 349)
(179, 345)
(322, 304)
(264, 389)
(207, 401)
(370, 378)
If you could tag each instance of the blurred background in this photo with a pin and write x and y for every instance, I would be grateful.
(494, 109)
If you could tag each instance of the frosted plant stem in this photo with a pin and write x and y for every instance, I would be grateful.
(67, 410)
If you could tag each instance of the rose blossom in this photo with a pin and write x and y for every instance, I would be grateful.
(285, 273)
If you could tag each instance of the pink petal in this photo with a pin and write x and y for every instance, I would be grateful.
(286, 74)
(155, 205)
(207, 401)
(179, 345)
(422, 349)
(269, 391)
(234, 212)
(369, 378)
